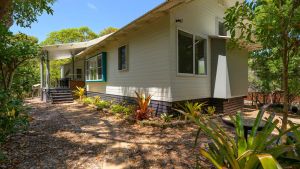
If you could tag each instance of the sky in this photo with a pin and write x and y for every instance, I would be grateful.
(96, 14)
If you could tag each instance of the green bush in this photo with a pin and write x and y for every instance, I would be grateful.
(124, 110)
(102, 105)
(225, 151)
(87, 100)
(117, 109)
(211, 110)
(13, 117)
(166, 117)
(96, 100)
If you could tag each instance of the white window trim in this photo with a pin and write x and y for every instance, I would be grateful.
(177, 54)
(127, 57)
(97, 55)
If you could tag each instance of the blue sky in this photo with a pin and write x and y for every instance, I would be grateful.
(96, 14)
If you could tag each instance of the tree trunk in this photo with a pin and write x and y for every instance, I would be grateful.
(5, 12)
(285, 86)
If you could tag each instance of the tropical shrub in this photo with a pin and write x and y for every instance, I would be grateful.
(96, 100)
(13, 117)
(122, 110)
(102, 105)
(225, 151)
(166, 117)
(211, 110)
(117, 109)
(143, 111)
(79, 92)
(87, 101)
(193, 109)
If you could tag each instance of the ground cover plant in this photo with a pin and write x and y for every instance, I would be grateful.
(258, 150)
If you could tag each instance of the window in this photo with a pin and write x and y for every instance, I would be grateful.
(191, 54)
(222, 29)
(122, 58)
(95, 68)
(200, 56)
(78, 73)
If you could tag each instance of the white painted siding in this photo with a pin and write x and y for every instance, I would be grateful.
(198, 17)
(149, 63)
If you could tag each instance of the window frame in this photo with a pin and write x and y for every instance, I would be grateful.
(218, 20)
(194, 55)
(103, 67)
(126, 58)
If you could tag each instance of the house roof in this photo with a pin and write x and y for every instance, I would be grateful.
(152, 15)
(62, 51)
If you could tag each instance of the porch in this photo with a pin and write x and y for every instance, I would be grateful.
(71, 74)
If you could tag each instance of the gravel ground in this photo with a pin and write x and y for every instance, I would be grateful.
(74, 136)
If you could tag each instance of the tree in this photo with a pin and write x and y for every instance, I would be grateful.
(108, 30)
(15, 50)
(23, 12)
(70, 35)
(274, 24)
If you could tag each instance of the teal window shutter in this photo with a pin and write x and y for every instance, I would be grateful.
(104, 66)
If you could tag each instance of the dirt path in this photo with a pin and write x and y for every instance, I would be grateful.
(72, 136)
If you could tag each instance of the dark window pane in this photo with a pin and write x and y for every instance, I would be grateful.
(185, 52)
(200, 56)
(78, 73)
(222, 29)
(122, 58)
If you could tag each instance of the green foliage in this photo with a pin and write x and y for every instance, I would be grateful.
(70, 35)
(103, 105)
(144, 111)
(107, 31)
(274, 26)
(166, 117)
(79, 92)
(117, 108)
(122, 109)
(193, 109)
(55, 69)
(13, 117)
(16, 53)
(226, 151)
(211, 110)
(97, 99)
(87, 100)
(23, 13)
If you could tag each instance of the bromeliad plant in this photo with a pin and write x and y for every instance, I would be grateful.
(79, 92)
(144, 111)
(225, 151)
(192, 109)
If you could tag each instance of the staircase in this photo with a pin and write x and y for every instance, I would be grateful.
(63, 95)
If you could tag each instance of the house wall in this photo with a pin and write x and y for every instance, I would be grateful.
(237, 60)
(149, 63)
(198, 17)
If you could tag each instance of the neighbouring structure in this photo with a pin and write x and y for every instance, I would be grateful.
(176, 52)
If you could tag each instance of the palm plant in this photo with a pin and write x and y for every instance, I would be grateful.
(193, 109)
(79, 92)
(236, 152)
(143, 111)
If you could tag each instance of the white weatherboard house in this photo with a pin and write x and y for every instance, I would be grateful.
(175, 52)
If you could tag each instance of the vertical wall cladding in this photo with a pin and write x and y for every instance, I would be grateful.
(199, 18)
(148, 56)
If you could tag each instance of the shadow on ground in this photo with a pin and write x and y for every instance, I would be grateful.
(74, 136)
